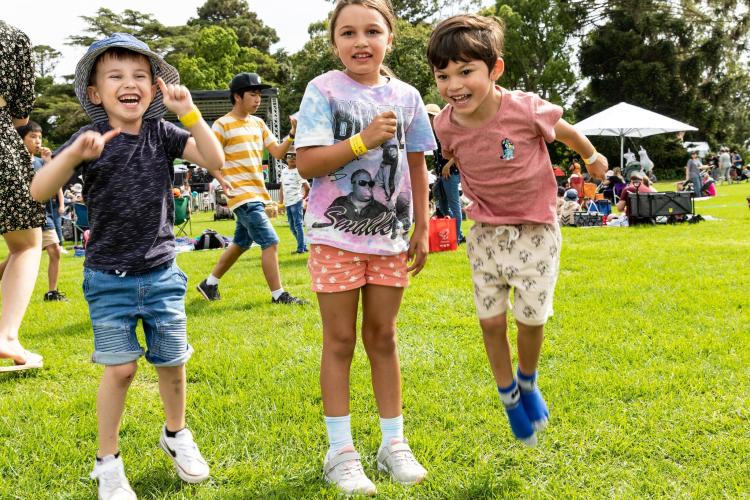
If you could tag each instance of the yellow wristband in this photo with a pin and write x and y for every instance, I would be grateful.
(357, 145)
(190, 118)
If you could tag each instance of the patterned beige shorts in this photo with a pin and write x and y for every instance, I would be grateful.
(525, 257)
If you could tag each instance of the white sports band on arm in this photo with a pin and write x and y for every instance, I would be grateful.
(591, 159)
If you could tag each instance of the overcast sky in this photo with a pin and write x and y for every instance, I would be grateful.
(51, 22)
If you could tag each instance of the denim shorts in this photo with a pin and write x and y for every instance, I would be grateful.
(253, 226)
(117, 302)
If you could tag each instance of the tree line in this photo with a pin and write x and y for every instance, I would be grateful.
(686, 59)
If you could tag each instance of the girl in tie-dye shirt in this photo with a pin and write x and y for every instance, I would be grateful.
(361, 136)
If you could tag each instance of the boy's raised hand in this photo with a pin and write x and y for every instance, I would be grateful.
(293, 123)
(89, 145)
(382, 129)
(176, 98)
(598, 168)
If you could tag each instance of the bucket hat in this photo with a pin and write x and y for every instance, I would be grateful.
(571, 195)
(244, 81)
(159, 67)
(432, 109)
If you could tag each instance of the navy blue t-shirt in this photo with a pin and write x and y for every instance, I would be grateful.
(128, 192)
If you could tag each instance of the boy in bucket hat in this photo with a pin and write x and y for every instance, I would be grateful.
(130, 273)
(244, 136)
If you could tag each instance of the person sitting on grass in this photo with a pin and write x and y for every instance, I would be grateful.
(515, 242)
(570, 206)
(130, 273)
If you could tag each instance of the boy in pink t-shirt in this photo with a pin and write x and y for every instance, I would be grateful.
(498, 139)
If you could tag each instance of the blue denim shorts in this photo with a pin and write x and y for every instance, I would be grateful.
(117, 302)
(253, 226)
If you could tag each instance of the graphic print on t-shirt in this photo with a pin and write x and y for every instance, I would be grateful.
(509, 149)
(375, 204)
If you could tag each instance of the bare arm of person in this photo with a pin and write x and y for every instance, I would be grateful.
(579, 143)
(279, 150)
(447, 168)
(203, 148)
(88, 146)
(418, 243)
(318, 161)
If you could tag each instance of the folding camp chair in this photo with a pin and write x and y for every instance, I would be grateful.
(182, 216)
(80, 221)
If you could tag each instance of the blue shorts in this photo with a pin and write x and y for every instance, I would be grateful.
(116, 303)
(253, 226)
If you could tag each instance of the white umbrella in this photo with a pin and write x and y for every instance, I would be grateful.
(625, 120)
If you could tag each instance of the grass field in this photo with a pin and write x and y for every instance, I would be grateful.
(646, 368)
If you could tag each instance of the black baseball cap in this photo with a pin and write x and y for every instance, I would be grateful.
(247, 81)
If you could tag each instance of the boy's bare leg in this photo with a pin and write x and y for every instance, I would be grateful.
(110, 403)
(227, 260)
(53, 269)
(17, 285)
(172, 384)
(269, 261)
(498, 351)
(530, 340)
(529, 345)
(495, 331)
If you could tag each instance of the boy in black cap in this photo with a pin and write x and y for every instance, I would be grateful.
(130, 272)
(243, 137)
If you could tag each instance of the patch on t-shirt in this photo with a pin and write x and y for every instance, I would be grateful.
(508, 149)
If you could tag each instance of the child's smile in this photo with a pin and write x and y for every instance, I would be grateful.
(124, 88)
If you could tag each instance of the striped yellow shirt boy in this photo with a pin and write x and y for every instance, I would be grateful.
(243, 142)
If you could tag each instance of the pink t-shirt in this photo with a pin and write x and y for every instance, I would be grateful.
(505, 168)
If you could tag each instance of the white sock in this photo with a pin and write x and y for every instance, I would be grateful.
(391, 428)
(212, 280)
(276, 294)
(339, 433)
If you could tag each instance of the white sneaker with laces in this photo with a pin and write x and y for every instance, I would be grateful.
(344, 469)
(113, 485)
(190, 465)
(398, 460)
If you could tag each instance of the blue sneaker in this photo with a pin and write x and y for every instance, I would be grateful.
(519, 421)
(532, 401)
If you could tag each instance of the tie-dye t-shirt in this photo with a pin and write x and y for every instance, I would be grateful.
(366, 205)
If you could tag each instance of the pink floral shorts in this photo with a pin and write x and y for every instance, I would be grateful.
(336, 270)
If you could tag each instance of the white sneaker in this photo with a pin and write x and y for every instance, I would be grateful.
(113, 485)
(190, 465)
(344, 469)
(398, 460)
(64, 250)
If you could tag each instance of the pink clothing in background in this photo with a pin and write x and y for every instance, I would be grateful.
(505, 168)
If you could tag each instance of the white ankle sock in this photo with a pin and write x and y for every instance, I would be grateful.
(212, 280)
(339, 433)
(391, 428)
(276, 294)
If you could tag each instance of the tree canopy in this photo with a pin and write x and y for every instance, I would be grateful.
(685, 59)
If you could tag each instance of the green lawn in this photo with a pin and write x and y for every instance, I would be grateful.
(646, 368)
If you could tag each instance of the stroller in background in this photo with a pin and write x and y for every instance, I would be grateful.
(221, 210)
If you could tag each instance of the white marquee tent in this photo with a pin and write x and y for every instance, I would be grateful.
(625, 120)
